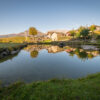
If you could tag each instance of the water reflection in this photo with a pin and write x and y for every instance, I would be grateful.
(43, 62)
(82, 54)
(79, 51)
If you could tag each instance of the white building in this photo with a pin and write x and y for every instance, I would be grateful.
(54, 37)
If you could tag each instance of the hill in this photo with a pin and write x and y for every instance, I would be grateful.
(21, 34)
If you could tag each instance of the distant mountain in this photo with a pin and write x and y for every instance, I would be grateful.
(21, 34)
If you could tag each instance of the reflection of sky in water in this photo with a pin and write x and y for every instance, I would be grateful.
(46, 66)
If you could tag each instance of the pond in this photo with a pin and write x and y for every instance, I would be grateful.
(44, 62)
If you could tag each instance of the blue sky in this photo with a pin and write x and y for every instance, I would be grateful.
(18, 15)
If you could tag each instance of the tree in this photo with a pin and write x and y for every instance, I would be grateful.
(84, 31)
(72, 32)
(77, 35)
(92, 28)
(32, 31)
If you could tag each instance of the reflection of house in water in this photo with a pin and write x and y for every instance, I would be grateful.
(49, 48)
(30, 48)
(54, 49)
(81, 53)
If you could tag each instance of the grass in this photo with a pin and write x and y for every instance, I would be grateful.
(22, 40)
(80, 89)
(11, 46)
(6, 45)
(6, 49)
(12, 40)
(46, 41)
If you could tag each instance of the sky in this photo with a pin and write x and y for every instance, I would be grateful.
(18, 15)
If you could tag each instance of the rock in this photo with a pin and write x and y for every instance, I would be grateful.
(3, 54)
(14, 52)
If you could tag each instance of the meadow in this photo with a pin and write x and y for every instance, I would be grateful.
(55, 89)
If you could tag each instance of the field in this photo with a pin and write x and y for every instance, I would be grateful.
(79, 89)
(12, 40)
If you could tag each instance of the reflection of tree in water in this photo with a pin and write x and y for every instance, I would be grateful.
(81, 53)
(34, 54)
(71, 53)
(78, 51)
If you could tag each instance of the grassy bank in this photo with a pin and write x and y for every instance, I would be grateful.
(7, 49)
(11, 46)
(80, 89)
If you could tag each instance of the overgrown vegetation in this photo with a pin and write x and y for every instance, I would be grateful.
(80, 89)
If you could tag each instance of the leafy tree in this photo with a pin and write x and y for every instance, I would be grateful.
(72, 32)
(32, 31)
(92, 28)
(84, 31)
(78, 34)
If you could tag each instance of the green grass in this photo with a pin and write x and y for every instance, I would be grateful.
(46, 41)
(80, 89)
(6, 45)
(9, 47)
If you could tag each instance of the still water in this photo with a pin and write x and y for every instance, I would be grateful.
(43, 62)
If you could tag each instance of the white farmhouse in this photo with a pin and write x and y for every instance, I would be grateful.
(54, 37)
